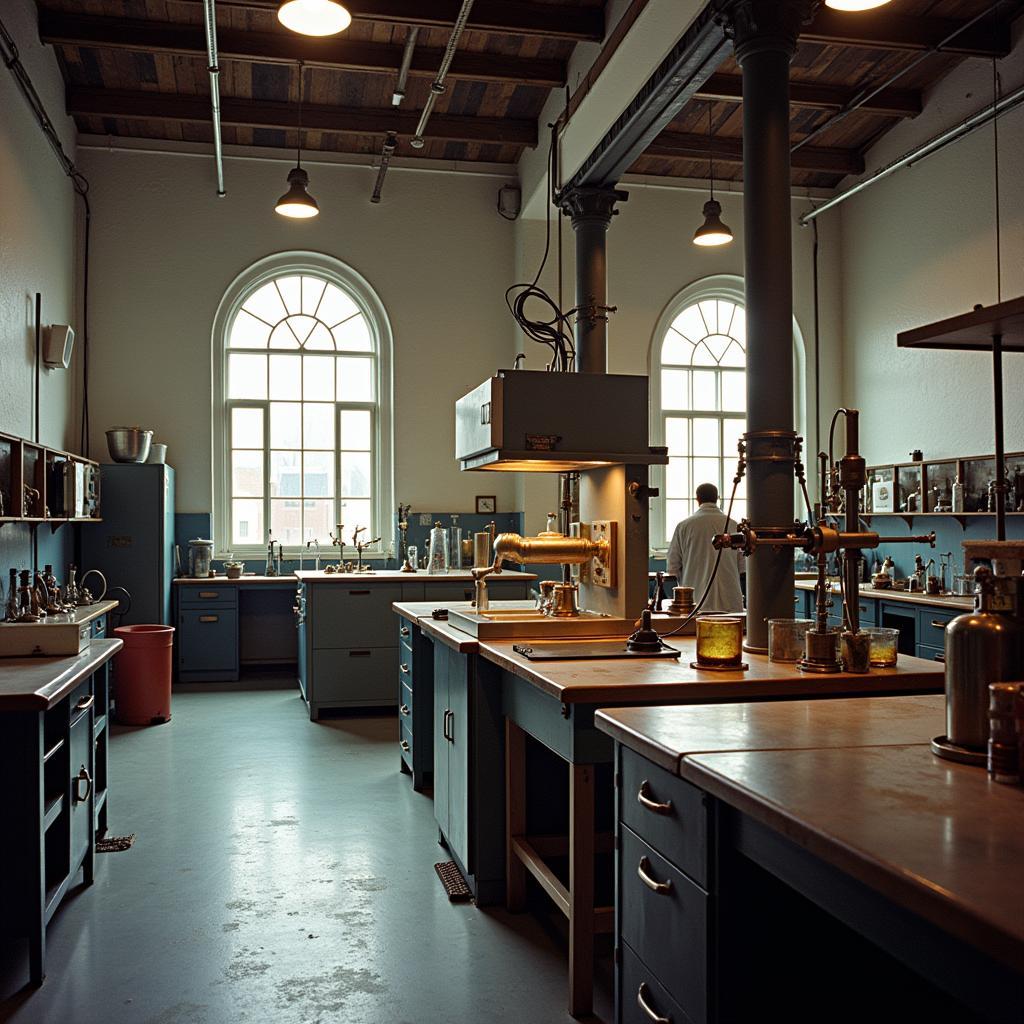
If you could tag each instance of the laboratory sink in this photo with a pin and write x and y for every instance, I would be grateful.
(528, 623)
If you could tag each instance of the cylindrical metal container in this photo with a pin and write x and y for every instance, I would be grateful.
(983, 646)
(482, 549)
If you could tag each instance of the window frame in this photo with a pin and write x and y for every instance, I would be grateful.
(728, 287)
(381, 410)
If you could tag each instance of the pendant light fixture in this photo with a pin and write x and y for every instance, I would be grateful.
(855, 5)
(314, 17)
(297, 202)
(712, 231)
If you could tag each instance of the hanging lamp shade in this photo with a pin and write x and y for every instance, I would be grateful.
(855, 5)
(712, 231)
(297, 202)
(314, 17)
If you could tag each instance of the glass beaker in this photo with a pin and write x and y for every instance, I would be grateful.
(437, 560)
(786, 638)
(719, 641)
(455, 544)
(412, 555)
(884, 646)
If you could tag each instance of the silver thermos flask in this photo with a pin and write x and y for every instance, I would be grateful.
(983, 646)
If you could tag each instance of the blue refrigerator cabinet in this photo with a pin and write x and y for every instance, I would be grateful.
(134, 545)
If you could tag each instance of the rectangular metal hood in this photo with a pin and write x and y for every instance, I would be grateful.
(546, 422)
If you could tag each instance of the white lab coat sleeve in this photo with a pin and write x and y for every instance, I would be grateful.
(675, 556)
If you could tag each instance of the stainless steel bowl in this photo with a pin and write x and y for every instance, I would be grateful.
(129, 444)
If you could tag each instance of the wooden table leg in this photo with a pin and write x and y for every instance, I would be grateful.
(515, 814)
(581, 889)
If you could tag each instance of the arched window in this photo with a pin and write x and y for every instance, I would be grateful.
(304, 406)
(699, 398)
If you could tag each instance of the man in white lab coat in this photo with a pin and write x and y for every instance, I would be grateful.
(691, 556)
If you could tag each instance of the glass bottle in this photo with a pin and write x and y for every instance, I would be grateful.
(437, 561)
(455, 541)
(958, 495)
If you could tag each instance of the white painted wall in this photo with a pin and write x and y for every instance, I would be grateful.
(650, 260)
(436, 251)
(37, 241)
(920, 246)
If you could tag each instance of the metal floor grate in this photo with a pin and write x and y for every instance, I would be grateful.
(453, 882)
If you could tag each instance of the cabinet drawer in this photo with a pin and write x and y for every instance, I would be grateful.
(405, 628)
(458, 590)
(356, 676)
(200, 597)
(405, 664)
(666, 811)
(405, 703)
(931, 626)
(347, 615)
(405, 743)
(666, 926)
(931, 653)
(644, 998)
(207, 639)
(82, 770)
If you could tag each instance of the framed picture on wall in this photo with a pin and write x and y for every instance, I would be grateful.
(486, 504)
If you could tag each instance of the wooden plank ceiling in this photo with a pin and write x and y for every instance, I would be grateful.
(138, 68)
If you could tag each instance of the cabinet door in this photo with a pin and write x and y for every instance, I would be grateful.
(458, 755)
(303, 657)
(82, 772)
(208, 639)
(441, 744)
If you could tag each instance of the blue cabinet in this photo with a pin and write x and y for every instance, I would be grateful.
(207, 632)
(416, 703)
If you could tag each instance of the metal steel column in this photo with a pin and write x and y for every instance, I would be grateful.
(765, 34)
(591, 211)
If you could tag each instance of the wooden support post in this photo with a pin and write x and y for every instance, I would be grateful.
(515, 815)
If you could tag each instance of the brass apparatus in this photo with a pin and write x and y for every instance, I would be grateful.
(549, 549)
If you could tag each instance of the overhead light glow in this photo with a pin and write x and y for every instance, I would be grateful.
(855, 5)
(712, 231)
(297, 202)
(314, 17)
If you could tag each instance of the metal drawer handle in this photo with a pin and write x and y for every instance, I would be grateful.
(940, 657)
(209, 595)
(209, 618)
(449, 733)
(644, 799)
(646, 1007)
(86, 702)
(359, 654)
(939, 625)
(358, 593)
(403, 668)
(404, 631)
(863, 607)
(404, 709)
(662, 888)
(405, 745)
(83, 776)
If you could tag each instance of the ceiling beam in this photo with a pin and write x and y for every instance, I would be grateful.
(158, 106)
(884, 29)
(553, 21)
(59, 27)
(679, 146)
(889, 102)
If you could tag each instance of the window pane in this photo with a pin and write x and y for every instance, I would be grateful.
(312, 292)
(717, 344)
(320, 339)
(285, 474)
(675, 393)
(247, 521)
(286, 377)
(732, 431)
(356, 429)
(247, 376)
(318, 425)
(355, 379)
(290, 289)
(677, 435)
(318, 378)
(738, 328)
(356, 513)
(246, 428)
(284, 336)
(247, 474)
(705, 390)
(709, 310)
(303, 327)
(318, 474)
(739, 510)
(318, 520)
(734, 391)
(336, 306)
(705, 437)
(702, 356)
(286, 521)
(285, 425)
(353, 335)
(266, 303)
(675, 349)
(356, 474)
(690, 324)
(707, 471)
(248, 332)
(677, 478)
(734, 355)
(676, 510)
(726, 311)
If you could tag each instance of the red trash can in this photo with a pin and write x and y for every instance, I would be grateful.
(142, 680)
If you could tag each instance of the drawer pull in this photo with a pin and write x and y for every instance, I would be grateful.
(83, 776)
(403, 668)
(940, 657)
(642, 869)
(649, 1013)
(863, 607)
(447, 732)
(939, 625)
(404, 709)
(358, 593)
(359, 654)
(404, 631)
(86, 702)
(405, 745)
(644, 799)
(209, 595)
(209, 618)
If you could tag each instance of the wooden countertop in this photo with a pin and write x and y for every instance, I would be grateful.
(35, 684)
(439, 629)
(937, 838)
(669, 735)
(396, 575)
(285, 579)
(950, 601)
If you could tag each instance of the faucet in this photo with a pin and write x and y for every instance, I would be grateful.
(315, 545)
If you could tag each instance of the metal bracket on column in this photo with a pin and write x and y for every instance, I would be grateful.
(755, 25)
(592, 204)
(772, 446)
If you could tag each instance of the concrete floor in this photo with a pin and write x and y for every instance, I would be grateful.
(282, 872)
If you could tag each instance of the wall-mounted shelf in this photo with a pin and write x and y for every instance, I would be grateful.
(31, 483)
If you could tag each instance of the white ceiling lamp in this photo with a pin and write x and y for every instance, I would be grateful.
(855, 5)
(314, 17)
(297, 202)
(712, 231)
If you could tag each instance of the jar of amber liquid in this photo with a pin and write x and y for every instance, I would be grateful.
(719, 643)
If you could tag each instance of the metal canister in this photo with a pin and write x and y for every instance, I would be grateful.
(983, 646)
(482, 549)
